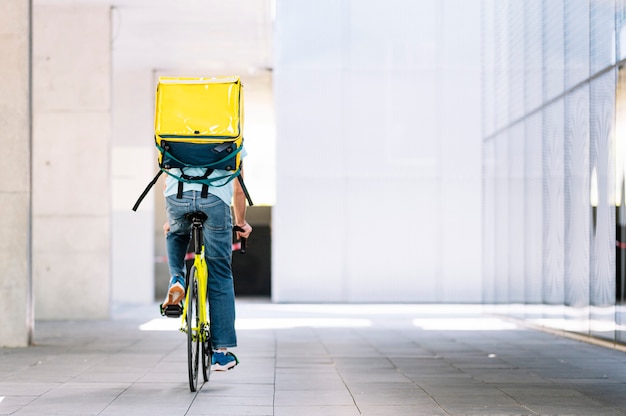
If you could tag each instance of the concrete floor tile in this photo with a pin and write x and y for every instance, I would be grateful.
(257, 400)
(491, 410)
(365, 375)
(85, 399)
(403, 410)
(309, 370)
(559, 401)
(23, 388)
(373, 363)
(392, 398)
(506, 375)
(317, 410)
(217, 409)
(575, 411)
(11, 404)
(475, 400)
(307, 383)
(473, 390)
(319, 397)
(525, 390)
(212, 390)
(444, 380)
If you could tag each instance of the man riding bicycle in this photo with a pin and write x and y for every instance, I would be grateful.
(216, 204)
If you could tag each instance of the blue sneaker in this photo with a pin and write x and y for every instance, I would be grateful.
(176, 292)
(223, 361)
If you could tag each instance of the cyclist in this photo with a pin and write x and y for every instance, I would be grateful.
(217, 232)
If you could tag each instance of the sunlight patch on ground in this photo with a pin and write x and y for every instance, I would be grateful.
(168, 324)
(373, 309)
(161, 324)
(463, 324)
(289, 323)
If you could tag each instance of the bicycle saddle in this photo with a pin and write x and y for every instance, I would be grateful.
(198, 214)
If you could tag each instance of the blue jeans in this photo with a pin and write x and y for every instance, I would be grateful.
(218, 239)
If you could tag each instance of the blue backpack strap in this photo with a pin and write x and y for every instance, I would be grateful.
(227, 157)
(208, 181)
(191, 179)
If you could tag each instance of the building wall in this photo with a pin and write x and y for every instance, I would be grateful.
(549, 160)
(71, 161)
(378, 193)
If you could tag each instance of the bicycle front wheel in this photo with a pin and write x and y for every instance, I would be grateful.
(193, 329)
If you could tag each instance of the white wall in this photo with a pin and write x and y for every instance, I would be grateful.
(71, 158)
(378, 151)
(133, 163)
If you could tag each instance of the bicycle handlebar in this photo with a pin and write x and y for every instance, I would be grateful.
(243, 240)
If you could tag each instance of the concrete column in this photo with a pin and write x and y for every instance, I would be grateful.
(16, 325)
(71, 161)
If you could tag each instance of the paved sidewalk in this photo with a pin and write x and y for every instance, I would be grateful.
(322, 360)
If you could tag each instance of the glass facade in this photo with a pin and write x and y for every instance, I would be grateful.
(554, 113)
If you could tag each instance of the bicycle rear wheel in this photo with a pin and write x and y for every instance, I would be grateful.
(193, 331)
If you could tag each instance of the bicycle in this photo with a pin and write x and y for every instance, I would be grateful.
(195, 321)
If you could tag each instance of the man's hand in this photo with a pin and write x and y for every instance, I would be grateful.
(247, 229)
(166, 228)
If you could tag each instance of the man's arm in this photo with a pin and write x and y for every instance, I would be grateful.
(239, 208)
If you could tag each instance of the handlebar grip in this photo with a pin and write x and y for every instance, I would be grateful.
(243, 240)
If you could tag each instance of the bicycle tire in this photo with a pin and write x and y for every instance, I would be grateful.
(207, 349)
(193, 332)
(207, 355)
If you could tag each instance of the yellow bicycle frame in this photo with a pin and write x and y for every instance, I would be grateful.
(202, 276)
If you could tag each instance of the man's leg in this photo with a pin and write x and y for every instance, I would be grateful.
(218, 249)
(177, 241)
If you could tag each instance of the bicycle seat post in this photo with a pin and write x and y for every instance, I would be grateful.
(197, 235)
(197, 220)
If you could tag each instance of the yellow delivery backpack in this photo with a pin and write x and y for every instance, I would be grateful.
(198, 123)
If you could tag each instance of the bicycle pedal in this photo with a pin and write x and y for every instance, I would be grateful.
(172, 311)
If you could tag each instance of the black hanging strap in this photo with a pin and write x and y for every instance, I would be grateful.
(245, 190)
(145, 191)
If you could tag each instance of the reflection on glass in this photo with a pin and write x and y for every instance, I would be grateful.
(620, 206)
